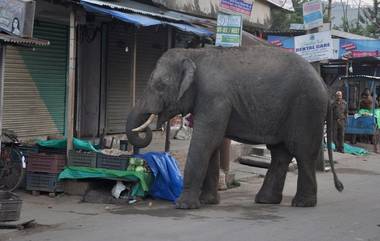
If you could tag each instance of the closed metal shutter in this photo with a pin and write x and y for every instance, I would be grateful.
(119, 66)
(35, 84)
(151, 44)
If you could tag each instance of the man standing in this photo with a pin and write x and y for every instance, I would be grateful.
(340, 115)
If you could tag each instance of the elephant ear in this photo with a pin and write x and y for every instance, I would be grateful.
(189, 68)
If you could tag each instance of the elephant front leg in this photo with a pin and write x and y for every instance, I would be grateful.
(207, 137)
(209, 193)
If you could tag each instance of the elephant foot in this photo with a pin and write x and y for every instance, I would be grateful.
(209, 198)
(310, 201)
(266, 198)
(187, 201)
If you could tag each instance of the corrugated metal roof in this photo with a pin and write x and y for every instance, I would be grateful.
(368, 77)
(136, 7)
(141, 20)
(342, 34)
(13, 40)
(284, 4)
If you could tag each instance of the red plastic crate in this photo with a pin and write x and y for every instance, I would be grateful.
(47, 163)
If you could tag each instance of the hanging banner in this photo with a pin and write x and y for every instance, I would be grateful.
(314, 47)
(357, 48)
(239, 6)
(284, 42)
(342, 48)
(229, 30)
(312, 14)
(17, 17)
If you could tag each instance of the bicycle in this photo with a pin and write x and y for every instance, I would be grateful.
(12, 162)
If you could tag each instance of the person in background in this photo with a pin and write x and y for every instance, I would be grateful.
(340, 113)
(366, 100)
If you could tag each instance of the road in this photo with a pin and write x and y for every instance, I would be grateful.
(353, 215)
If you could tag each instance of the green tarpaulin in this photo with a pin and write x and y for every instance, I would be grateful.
(354, 150)
(143, 179)
(61, 144)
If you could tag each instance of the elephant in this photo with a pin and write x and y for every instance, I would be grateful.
(253, 95)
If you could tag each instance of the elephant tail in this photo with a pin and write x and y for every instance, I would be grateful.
(338, 184)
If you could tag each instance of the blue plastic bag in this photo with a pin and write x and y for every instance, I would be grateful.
(168, 181)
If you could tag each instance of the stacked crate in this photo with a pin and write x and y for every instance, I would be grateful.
(112, 162)
(82, 159)
(42, 172)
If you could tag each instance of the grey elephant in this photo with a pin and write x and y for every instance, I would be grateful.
(253, 95)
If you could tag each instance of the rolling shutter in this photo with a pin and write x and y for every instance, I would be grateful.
(35, 84)
(151, 44)
(119, 66)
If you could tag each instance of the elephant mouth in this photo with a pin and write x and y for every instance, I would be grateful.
(145, 124)
(161, 117)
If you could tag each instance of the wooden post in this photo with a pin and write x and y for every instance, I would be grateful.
(71, 84)
(167, 134)
(134, 68)
(2, 71)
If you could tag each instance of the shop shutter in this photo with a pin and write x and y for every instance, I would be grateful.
(35, 84)
(151, 44)
(119, 66)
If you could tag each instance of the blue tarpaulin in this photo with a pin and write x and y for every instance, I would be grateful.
(141, 20)
(168, 181)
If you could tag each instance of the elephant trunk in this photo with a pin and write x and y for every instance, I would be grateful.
(142, 136)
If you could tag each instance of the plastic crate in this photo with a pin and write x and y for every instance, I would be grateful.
(41, 162)
(112, 162)
(82, 159)
(52, 151)
(46, 182)
(26, 150)
(10, 206)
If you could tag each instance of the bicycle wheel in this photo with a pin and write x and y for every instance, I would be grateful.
(11, 168)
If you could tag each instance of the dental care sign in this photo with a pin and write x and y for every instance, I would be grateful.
(229, 30)
(312, 14)
(314, 47)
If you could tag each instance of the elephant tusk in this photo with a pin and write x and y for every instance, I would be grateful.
(143, 126)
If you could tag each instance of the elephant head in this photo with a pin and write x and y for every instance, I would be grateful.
(169, 92)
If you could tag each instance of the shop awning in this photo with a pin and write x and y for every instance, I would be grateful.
(142, 20)
(27, 42)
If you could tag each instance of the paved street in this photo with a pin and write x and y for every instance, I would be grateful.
(353, 215)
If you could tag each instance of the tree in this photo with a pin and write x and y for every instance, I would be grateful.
(371, 17)
(281, 20)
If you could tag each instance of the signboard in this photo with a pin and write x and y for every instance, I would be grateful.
(284, 42)
(342, 48)
(239, 6)
(314, 47)
(229, 30)
(17, 17)
(357, 48)
(312, 14)
(297, 26)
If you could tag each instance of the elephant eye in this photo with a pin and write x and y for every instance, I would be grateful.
(159, 86)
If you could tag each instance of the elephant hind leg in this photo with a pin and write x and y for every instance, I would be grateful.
(306, 195)
(271, 190)
(209, 191)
